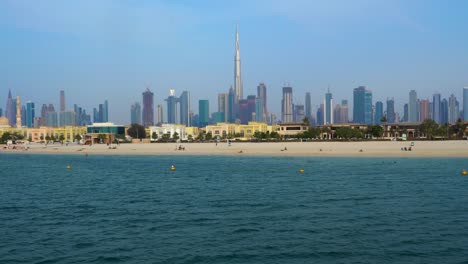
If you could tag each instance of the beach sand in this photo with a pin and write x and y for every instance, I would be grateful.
(325, 149)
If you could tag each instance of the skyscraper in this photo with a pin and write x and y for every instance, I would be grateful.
(405, 113)
(308, 106)
(328, 108)
(320, 115)
(244, 114)
(135, 113)
(184, 103)
(444, 109)
(262, 95)
(453, 109)
(10, 112)
(105, 112)
(203, 112)
(378, 112)
(436, 108)
(298, 113)
(18, 112)
(30, 114)
(62, 100)
(287, 105)
(23, 115)
(344, 111)
(465, 103)
(259, 114)
(362, 105)
(148, 108)
(231, 106)
(424, 110)
(237, 71)
(391, 115)
(160, 114)
(171, 107)
(223, 105)
(413, 115)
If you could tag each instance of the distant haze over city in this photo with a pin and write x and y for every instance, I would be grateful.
(98, 51)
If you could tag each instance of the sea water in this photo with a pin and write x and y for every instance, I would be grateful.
(232, 209)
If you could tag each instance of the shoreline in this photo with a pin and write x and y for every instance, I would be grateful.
(381, 149)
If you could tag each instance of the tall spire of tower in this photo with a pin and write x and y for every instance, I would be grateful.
(237, 70)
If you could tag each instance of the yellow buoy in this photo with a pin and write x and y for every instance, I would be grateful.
(464, 172)
(301, 170)
(68, 167)
(172, 168)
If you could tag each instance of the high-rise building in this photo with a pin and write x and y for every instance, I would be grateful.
(18, 112)
(262, 95)
(244, 114)
(378, 112)
(10, 111)
(223, 105)
(135, 113)
(328, 108)
(287, 105)
(453, 109)
(320, 115)
(51, 119)
(23, 116)
(203, 113)
(391, 115)
(424, 110)
(344, 111)
(148, 108)
(237, 71)
(362, 105)
(444, 111)
(1, 112)
(30, 114)
(251, 102)
(413, 115)
(160, 114)
(259, 108)
(231, 106)
(171, 107)
(308, 105)
(465, 103)
(62, 100)
(105, 112)
(298, 113)
(184, 103)
(67, 118)
(405, 113)
(436, 108)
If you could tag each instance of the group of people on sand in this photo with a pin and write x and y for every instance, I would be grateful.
(180, 147)
(406, 149)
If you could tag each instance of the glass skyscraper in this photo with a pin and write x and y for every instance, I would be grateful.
(362, 105)
(203, 113)
(436, 115)
(30, 114)
(287, 105)
(465, 103)
(378, 112)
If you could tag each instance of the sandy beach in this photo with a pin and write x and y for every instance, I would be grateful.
(325, 149)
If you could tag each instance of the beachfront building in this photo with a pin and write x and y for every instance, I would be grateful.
(292, 129)
(110, 131)
(221, 130)
(167, 129)
(192, 132)
(248, 131)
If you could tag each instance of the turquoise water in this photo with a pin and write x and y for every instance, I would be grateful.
(116, 209)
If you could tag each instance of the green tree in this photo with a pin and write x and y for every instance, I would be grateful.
(102, 138)
(61, 138)
(154, 135)
(175, 136)
(47, 138)
(77, 137)
(375, 131)
(429, 128)
(306, 121)
(208, 136)
(136, 131)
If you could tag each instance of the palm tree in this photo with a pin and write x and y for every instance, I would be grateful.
(384, 121)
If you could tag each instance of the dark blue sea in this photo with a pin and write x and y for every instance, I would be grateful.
(232, 209)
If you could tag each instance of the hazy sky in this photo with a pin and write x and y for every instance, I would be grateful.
(97, 50)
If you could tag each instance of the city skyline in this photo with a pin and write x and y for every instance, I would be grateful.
(389, 70)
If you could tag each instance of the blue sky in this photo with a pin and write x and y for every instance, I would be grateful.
(97, 50)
